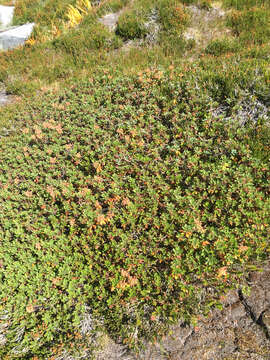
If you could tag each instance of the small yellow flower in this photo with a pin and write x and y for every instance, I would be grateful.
(30, 42)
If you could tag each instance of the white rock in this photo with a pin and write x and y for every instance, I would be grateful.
(14, 37)
(6, 15)
(110, 20)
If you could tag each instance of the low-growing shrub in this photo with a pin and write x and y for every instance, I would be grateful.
(131, 25)
(245, 4)
(222, 46)
(174, 44)
(205, 4)
(189, 2)
(93, 37)
(43, 12)
(252, 25)
(172, 16)
(125, 196)
(125, 199)
(19, 87)
(111, 6)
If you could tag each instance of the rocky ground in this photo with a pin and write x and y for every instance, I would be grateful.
(206, 25)
(240, 331)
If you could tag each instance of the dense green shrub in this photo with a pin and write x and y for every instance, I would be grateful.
(174, 45)
(17, 87)
(115, 5)
(131, 25)
(129, 196)
(172, 16)
(205, 4)
(246, 4)
(126, 196)
(221, 46)
(42, 12)
(93, 37)
(188, 2)
(251, 25)
(43, 63)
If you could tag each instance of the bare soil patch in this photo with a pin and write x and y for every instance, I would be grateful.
(205, 26)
